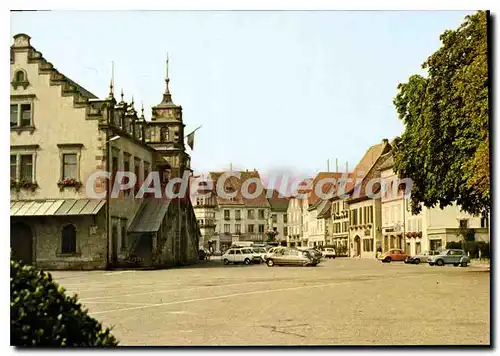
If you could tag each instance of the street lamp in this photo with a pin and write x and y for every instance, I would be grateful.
(108, 193)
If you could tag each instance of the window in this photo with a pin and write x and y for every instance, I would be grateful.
(370, 214)
(464, 224)
(137, 173)
(114, 168)
(226, 215)
(250, 229)
(484, 219)
(261, 214)
(69, 166)
(231, 252)
(238, 228)
(261, 228)
(25, 115)
(20, 77)
(227, 228)
(275, 218)
(126, 168)
(237, 214)
(146, 170)
(27, 168)
(164, 134)
(285, 231)
(20, 115)
(123, 243)
(251, 214)
(285, 218)
(68, 239)
(13, 167)
(238, 252)
(14, 115)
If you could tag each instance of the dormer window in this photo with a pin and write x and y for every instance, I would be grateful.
(20, 79)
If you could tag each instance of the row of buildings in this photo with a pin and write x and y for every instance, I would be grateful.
(356, 226)
(61, 134)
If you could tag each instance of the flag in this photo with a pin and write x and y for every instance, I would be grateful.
(190, 140)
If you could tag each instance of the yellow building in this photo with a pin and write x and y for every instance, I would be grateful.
(61, 135)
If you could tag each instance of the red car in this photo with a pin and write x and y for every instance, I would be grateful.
(394, 255)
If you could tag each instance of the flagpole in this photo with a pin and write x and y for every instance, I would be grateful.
(196, 129)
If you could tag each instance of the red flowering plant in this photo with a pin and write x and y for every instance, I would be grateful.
(69, 182)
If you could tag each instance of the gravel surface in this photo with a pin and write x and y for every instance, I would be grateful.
(340, 302)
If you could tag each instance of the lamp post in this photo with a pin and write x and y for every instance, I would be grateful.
(108, 193)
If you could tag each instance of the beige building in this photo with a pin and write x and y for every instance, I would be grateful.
(204, 203)
(431, 229)
(278, 215)
(61, 134)
(238, 218)
(295, 222)
(365, 221)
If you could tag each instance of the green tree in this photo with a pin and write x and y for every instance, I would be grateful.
(445, 146)
(42, 315)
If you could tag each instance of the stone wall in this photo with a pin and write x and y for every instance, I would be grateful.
(90, 242)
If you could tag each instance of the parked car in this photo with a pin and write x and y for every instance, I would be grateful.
(317, 254)
(271, 251)
(450, 257)
(240, 255)
(261, 251)
(393, 255)
(291, 257)
(421, 257)
(329, 252)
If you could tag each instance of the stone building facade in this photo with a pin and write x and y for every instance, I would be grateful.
(61, 136)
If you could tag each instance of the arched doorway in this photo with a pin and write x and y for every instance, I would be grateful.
(357, 246)
(21, 242)
(144, 249)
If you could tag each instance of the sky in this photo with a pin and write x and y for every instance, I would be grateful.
(273, 90)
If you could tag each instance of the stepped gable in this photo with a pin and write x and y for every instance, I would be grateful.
(81, 96)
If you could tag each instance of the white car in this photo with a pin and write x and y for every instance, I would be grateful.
(261, 251)
(240, 255)
(329, 252)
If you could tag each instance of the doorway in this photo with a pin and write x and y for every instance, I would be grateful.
(357, 246)
(21, 243)
(144, 249)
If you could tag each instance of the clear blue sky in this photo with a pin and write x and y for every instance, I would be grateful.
(273, 90)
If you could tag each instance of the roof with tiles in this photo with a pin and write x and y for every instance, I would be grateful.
(365, 164)
(234, 185)
(326, 186)
(374, 172)
(277, 203)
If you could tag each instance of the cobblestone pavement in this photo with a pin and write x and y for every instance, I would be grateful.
(340, 302)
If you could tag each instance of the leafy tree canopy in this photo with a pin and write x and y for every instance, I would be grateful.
(445, 146)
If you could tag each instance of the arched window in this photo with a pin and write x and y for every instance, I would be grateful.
(20, 76)
(164, 134)
(68, 243)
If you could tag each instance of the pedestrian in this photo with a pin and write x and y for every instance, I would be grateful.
(379, 251)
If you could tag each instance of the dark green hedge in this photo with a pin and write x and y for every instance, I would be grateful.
(43, 315)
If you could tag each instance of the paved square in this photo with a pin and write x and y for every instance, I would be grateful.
(340, 302)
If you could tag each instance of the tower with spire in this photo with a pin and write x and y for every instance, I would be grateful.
(167, 135)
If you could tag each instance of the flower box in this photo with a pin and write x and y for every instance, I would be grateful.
(69, 182)
(23, 185)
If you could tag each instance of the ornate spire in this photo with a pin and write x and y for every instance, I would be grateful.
(122, 97)
(142, 110)
(167, 97)
(112, 81)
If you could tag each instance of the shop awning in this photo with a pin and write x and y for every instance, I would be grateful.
(56, 207)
